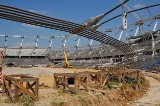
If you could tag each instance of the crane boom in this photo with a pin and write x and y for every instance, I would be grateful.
(66, 64)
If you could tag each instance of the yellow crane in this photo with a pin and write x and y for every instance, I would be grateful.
(66, 64)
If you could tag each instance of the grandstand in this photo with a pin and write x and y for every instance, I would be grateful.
(25, 56)
(105, 54)
(87, 56)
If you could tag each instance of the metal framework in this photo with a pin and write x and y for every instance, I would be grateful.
(23, 16)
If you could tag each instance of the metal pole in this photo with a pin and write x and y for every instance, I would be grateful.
(78, 41)
(36, 41)
(120, 35)
(155, 26)
(50, 41)
(136, 31)
(21, 45)
(153, 46)
(5, 46)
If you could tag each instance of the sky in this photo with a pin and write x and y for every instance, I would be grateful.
(76, 11)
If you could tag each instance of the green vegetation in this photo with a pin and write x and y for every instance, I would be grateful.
(82, 99)
(58, 102)
(113, 84)
(141, 80)
(53, 103)
(61, 103)
(65, 91)
(126, 85)
(4, 100)
(104, 88)
(26, 101)
(130, 83)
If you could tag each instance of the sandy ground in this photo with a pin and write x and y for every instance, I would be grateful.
(33, 71)
(45, 75)
(152, 97)
(40, 70)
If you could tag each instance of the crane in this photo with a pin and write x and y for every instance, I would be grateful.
(66, 64)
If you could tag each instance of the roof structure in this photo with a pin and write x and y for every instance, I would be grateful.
(23, 16)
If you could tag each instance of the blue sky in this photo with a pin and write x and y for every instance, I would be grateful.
(71, 10)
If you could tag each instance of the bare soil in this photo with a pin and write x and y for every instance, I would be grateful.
(57, 97)
(152, 97)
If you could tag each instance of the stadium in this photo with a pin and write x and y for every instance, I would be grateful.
(61, 62)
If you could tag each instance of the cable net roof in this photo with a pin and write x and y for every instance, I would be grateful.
(23, 16)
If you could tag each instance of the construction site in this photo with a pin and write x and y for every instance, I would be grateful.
(86, 64)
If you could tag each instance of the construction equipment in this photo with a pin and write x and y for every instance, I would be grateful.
(66, 64)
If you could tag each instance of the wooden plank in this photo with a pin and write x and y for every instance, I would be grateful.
(76, 83)
(96, 79)
(65, 74)
(69, 74)
(16, 98)
(14, 75)
(30, 87)
(66, 85)
(87, 83)
(7, 90)
(27, 85)
(10, 78)
(84, 85)
(25, 91)
(27, 79)
(54, 81)
(37, 88)
(18, 85)
(106, 80)
(9, 93)
(4, 86)
(9, 84)
(100, 80)
(25, 76)
(93, 76)
(89, 79)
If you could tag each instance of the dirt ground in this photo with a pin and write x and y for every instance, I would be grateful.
(152, 97)
(51, 97)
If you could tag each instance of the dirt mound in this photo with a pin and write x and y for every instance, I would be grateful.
(100, 97)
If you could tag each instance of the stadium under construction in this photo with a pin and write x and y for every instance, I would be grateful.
(142, 45)
(117, 55)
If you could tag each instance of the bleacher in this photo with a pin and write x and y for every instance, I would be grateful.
(25, 56)
(27, 61)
